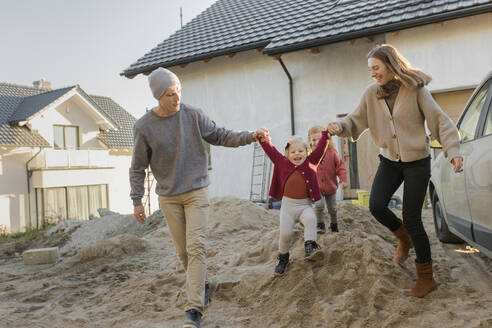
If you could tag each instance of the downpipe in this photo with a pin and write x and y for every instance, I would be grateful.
(29, 175)
(291, 95)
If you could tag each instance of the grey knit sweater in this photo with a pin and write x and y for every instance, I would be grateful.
(173, 148)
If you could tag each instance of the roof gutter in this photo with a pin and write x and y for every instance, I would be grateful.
(250, 46)
(481, 9)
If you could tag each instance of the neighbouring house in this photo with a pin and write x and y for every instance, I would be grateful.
(289, 64)
(63, 155)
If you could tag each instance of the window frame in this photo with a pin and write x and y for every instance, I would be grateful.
(64, 127)
(40, 200)
(486, 110)
(487, 119)
(481, 119)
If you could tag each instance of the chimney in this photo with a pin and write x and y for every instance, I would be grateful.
(42, 84)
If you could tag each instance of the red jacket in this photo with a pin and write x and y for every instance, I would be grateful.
(330, 166)
(283, 168)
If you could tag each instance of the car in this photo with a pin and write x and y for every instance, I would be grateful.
(462, 202)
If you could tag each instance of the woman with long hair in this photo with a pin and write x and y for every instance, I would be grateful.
(395, 109)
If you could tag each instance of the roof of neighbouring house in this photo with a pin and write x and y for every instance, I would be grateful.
(20, 103)
(123, 137)
(279, 26)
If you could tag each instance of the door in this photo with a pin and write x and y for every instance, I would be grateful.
(455, 196)
(348, 153)
(479, 177)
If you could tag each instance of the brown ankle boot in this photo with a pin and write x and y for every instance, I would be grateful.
(425, 282)
(404, 244)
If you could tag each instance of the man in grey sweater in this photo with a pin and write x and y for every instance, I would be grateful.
(169, 139)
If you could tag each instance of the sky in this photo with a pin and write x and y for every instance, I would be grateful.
(88, 42)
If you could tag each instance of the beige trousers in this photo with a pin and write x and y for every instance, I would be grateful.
(186, 215)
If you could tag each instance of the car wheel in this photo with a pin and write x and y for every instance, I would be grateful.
(442, 230)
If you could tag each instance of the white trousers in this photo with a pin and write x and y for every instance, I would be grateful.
(292, 211)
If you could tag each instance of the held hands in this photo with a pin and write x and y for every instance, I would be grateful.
(333, 128)
(262, 135)
(139, 213)
(457, 164)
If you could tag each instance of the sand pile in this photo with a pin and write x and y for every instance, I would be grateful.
(135, 280)
(86, 233)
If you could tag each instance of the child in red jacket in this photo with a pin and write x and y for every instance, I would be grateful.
(294, 181)
(329, 168)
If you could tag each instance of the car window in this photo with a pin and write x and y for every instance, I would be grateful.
(488, 121)
(468, 123)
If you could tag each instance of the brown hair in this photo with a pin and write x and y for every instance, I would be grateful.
(317, 129)
(399, 66)
(294, 140)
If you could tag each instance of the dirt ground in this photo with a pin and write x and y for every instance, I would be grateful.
(116, 273)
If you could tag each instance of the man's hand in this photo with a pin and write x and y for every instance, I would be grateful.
(262, 135)
(139, 213)
(333, 128)
(344, 185)
(457, 164)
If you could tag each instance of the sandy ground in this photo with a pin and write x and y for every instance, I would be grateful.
(116, 273)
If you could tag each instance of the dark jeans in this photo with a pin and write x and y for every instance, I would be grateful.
(389, 177)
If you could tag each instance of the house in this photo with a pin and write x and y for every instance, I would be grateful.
(63, 155)
(289, 64)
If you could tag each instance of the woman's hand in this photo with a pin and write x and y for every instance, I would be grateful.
(457, 164)
(333, 128)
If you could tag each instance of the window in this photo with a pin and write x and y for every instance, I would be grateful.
(74, 202)
(488, 121)
(65, 137)
(468, 123)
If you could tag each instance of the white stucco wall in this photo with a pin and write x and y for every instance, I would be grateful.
(13, 187)
(456, 53)
(70, 112)
(119, 187)
(251, 90)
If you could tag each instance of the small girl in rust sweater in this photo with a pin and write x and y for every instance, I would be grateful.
(329, 168)
(294, 182)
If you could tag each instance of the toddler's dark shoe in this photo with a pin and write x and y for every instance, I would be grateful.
(321, 228)
(193, 318)
(312, 251)
(334, 227)
(283, 262)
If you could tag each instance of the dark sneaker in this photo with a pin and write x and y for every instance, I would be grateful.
(321, 227)
(210, 288)
(313, 251)
(193, 318)
(283, 262)
(334, 227)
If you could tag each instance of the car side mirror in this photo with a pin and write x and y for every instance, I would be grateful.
(434, 144)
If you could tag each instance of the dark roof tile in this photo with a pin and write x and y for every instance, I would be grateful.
(286, 25)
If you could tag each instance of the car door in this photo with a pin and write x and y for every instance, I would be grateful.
(454, 186)
(479, 177)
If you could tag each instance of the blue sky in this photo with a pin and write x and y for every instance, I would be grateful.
(87, 42)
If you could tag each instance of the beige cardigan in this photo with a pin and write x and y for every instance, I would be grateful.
(402, 136)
